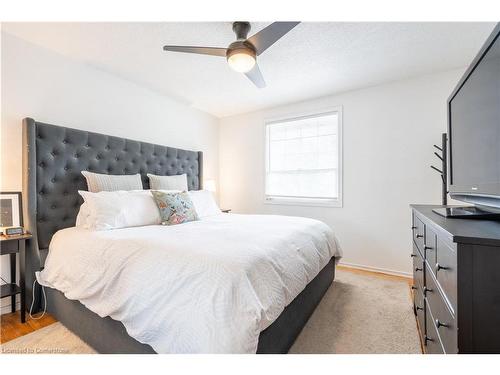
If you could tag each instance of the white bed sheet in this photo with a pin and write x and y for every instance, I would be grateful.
(208, 286)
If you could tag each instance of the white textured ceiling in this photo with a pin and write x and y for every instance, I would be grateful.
(313, 60)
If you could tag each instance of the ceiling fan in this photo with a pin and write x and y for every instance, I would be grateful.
(241, 55)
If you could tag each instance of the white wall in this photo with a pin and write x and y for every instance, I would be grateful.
(388, 135)
(48, 87)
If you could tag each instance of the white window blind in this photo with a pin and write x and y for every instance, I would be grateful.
(303, 158)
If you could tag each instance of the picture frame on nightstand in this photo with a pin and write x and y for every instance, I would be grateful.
(11, 212)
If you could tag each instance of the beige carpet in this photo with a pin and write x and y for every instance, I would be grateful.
(53, 339)
(361, 314)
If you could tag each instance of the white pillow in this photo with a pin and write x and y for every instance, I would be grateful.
(178, 182)
(120, 209)
(97, 182)
(82, 217)
(204, 203)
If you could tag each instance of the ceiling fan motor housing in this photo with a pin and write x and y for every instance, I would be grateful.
(241, 29)
(241, 47)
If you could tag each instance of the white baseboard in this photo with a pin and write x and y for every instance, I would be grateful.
(376, 269)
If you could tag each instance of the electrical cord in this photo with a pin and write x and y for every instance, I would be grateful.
(33, 302)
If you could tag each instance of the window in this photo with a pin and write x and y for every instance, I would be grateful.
(304, 160)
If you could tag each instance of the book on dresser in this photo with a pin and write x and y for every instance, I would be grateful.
(456, 290)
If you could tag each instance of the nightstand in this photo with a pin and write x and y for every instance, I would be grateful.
(12, 245)
(226, 210)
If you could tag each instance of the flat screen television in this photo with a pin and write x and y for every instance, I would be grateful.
(474, 131)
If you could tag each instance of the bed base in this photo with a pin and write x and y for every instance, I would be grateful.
(109, 336)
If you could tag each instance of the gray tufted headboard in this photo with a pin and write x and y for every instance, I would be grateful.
(53, 158)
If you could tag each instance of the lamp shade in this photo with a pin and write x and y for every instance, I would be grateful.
(242, 62)
(210, 185)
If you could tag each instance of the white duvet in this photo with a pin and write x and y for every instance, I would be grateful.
(209, 286)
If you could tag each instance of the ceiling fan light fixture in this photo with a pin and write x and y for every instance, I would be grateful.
(241, 60)
(241, 55)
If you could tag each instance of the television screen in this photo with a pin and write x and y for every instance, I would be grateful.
(474, 116)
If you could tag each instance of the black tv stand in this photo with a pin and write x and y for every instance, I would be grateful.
(466, 212)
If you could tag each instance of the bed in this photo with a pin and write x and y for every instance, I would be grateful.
(53, 158)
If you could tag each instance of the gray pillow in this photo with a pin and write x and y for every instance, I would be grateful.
(178, 182)
(97, 182)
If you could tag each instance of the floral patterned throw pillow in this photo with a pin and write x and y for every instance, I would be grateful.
(175, 208)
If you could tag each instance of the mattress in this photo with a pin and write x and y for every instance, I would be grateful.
(208, 286)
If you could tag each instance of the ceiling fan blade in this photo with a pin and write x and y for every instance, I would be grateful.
(266, 37)
(256, 77)
(213, 51)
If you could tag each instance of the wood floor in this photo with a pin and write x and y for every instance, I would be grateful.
(11, 326)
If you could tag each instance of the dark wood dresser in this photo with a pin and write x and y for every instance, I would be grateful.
(456, 273)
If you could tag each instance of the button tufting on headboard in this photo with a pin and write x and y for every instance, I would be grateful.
(60, 154)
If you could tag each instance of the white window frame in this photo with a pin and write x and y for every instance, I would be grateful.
(304, 201)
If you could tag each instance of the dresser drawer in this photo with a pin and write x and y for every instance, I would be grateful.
(418, 234)
(418, 268)
(431, 341)
(430, 245)
(445, 269)
(442, 318)
(419, 304)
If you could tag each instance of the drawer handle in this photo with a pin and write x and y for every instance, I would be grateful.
(440, 267)
(419, 235)
(427, 290)
(418, 269)
(419, 308)
(439, 324)
(413, 287)
(427, 338)
(427, 247)
(412, 228)
(413, 255)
